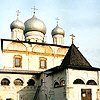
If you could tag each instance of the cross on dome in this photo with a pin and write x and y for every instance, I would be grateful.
(72, 35)
(34, 9)
(57, 19)
(17, 13)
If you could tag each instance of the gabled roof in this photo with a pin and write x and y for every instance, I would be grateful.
(74, 58)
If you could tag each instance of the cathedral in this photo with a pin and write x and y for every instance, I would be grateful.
(35, 70)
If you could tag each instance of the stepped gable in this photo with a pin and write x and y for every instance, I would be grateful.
(74, 58)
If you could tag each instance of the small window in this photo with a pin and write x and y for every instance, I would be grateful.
(18, 82)
(55, 40)
(56, 84)
(5, 81)
(43, 63)
(17, 61)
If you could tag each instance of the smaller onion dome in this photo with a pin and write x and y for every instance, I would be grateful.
(17, 24)
(35, 24)
(57, 30)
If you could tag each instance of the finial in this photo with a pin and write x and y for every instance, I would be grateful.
(34, 9)
(17, 13)
(72, 35)
(57, 19)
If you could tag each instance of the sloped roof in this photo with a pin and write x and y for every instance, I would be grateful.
(14, 71)
(74, 58)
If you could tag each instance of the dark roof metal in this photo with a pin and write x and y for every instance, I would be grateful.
(74, 58)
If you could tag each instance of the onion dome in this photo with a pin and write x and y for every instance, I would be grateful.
(17, 24)
(57, 30)
(35, 24)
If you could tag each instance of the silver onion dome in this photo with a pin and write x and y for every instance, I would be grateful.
(57, 30)
(17, 24)
(34, 24)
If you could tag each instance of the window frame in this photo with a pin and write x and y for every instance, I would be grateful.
(43, 63)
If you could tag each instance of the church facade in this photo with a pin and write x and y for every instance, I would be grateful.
(35, 70)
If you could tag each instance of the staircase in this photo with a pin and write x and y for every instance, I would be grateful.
(37, 92)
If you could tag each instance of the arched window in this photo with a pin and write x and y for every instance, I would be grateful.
(91, 82)
(18, 82)
(56, 84)
(62, 82)
(31, 82)
(5, 81)
(78, 81)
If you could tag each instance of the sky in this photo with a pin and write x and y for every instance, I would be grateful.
(80, 17)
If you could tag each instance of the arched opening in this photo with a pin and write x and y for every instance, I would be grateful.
(91, 82)
(18, 82)
(31, 82)
(5, 81)
(78, 81)
(56, 84)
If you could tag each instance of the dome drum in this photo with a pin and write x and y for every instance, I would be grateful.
(34, 33)
(34, 36)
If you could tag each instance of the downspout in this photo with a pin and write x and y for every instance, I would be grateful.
(98, 78)
(98, 85)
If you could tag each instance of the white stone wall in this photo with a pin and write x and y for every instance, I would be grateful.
(30, 55)
(73, 91)
(17, 92)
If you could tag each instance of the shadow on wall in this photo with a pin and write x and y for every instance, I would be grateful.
(28, 92)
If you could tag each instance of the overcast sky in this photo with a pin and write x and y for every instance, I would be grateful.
(81, 17)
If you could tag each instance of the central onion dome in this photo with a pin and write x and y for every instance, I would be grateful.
(57, 30)
(17, 24)
(35, 24)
